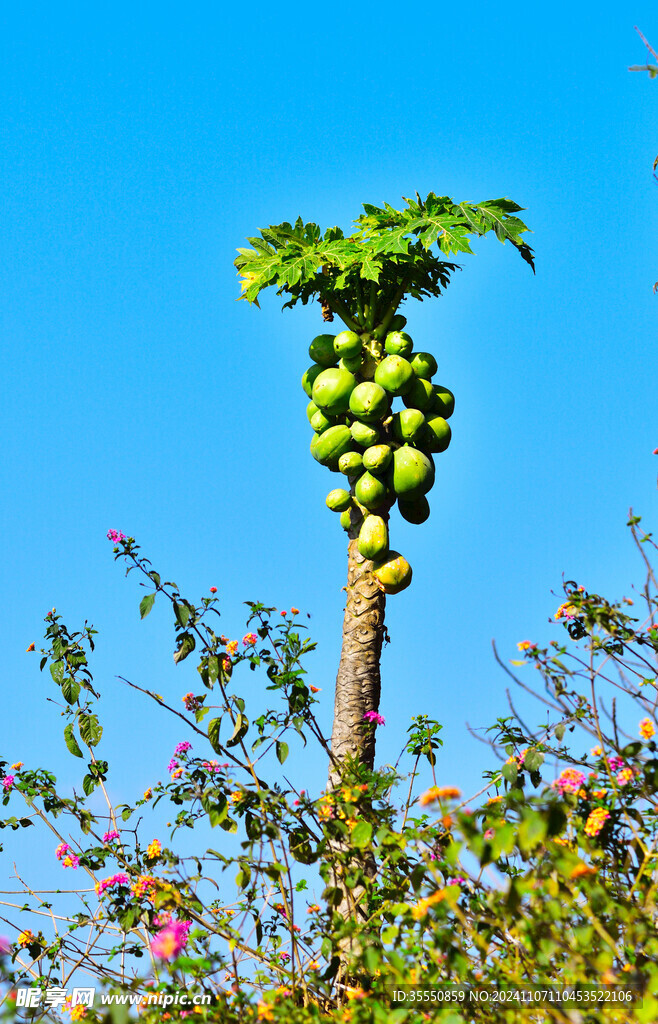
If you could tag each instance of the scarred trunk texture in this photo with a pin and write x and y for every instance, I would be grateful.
(358, 683)
(358, 687)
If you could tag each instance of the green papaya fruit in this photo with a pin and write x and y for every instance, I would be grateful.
(351, 364)
(338, 500)
(332, 390)
(424, 365)
(311, 409)
(346, 519)
(444, 402)
(373, 538)
(398, 323)
(417, 511)
(327, 447)
(348, 344)
(420, 395)
(376, 459)
(369, 402)
(351, 463)
(398, 344)
(310, 376)
(364, 434)
(370, 491)
(322, 351)
(409, 425)
(394, 374)
(320, 422)
(411, 474)
(439, 433)
(393, 573)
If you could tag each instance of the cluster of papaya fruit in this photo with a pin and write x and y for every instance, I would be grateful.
(387, 456)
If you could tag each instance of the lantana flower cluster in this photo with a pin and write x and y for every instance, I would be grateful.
(65, 854)
(569, 781)
(108, 883)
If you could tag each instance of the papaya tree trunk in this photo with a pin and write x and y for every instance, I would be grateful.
(358, 683)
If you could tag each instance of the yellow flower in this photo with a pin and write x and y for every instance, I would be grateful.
(148, 794)
(355, 992)
(647, 730)
(154, 849)
(79, 1012)
(526, 645)
(566, 611)
(596, 752)
(17, 767)
(25, 938)
(264, 1011)
(596, 821)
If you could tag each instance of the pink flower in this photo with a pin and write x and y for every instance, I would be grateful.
(213, 590)
(569, 781)
(171, 940)
(489, 834)
(616, 763)
(191, 702)
(284, 956)
(4, 945)
(8, 782)
(173, 764)
(458, 880)
(250, 639)
(374, 718)
(625, 776)
(108, 883)
(115, 536)
(183, 747)
(109, 836)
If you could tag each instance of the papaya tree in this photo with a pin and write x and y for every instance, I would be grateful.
(386, 455)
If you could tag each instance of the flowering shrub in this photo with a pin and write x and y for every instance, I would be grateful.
(546, 876)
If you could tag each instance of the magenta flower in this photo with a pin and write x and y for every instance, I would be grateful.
(183, 747)
(109, 836)
(374, 718)
(171, 940)
(616, 763)
(284, 956)
(8, 782)
(172, 766)
(107, 883)
(115, 536)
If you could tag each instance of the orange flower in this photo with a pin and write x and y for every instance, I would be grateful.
(294, 611)
(583, 871)
(314, 689)
(439, 793)
(647, 729)
(30, 648)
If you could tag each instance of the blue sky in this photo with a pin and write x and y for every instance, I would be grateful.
(140, 148)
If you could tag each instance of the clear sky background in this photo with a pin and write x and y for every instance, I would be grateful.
(141, 144)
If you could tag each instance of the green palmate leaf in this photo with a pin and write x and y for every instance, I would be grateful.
(90, 729)
(186, 644)
(71, 741)
(390, 248)
(146, 604)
